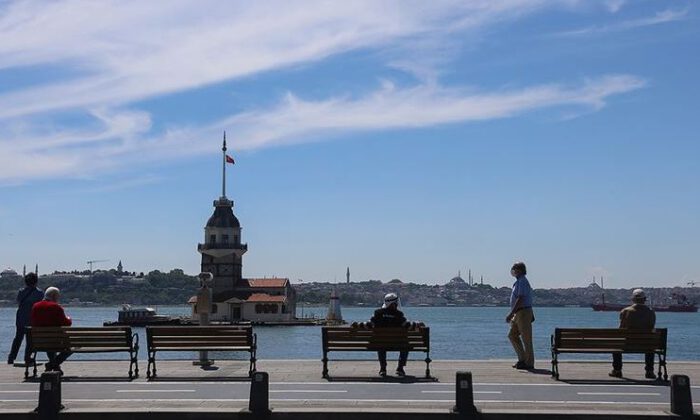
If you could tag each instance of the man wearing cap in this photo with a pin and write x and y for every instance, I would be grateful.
(521, 318)
(390, 316)
(48, 313)
(638, 316)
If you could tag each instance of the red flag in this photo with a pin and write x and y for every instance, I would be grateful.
(229, 159)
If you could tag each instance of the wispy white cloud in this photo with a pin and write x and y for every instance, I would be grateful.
(116, 53)
(614, 6)
(295, 120)
(123, 51)
(665, 16)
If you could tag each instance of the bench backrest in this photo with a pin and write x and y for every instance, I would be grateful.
(392, 339)
(79, 338)
(625, 340)
(225, 336)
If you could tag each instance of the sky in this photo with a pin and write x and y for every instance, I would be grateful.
(402, 139)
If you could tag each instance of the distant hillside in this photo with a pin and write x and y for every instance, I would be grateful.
(176, 287)
(112, 288)
(461, 294)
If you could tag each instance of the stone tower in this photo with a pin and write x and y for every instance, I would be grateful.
(222, 250)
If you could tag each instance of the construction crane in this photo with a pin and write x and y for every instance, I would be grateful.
(91, 262)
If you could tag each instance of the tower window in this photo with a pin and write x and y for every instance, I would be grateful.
(212, 239)
(224, 239)
(235, 239)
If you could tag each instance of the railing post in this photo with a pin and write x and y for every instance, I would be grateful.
(49, 396)
(259, 403)
(681, 400)
(464, 396)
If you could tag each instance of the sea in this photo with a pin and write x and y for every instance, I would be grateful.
(456, 333)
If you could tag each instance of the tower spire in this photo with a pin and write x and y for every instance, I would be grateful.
(223, 162)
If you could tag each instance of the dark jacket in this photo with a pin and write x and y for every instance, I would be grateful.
(388, 317)
(26, 298)
(638, 317)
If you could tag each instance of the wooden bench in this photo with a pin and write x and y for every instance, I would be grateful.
(84, 340)
(373, 339)
(199, 338)
(608, 340)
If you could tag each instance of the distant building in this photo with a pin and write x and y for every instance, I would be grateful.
(235, 298)
(9, 274)
(458, 279)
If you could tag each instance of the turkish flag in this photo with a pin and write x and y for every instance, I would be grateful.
(229, 159)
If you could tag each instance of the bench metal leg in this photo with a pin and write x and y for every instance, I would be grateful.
(662, 362)
(427, 365)
(252, 367)
(151, 369)
(134, 364)
(555, 366)
(325, 365)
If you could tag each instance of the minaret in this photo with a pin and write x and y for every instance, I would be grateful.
(222, 250)
(36, 270)
(347, 276)
(24, 270)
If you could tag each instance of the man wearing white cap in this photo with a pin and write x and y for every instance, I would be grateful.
(390, 316)
(638, 316)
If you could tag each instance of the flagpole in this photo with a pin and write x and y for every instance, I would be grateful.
(223, 183)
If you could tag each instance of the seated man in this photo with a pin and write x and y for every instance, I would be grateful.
(636, 317)
(48, 313)
(390, 316)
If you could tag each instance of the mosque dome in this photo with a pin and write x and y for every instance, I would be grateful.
(457, 280)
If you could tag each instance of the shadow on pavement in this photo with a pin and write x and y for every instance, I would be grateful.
(621, 382)
(200, 379)
(408, 379)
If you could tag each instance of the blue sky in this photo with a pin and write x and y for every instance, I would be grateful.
(403, 139)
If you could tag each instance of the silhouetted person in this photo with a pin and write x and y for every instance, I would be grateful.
(48, 313)
(521, 318)
(390, 316)
(26, 298)
(638, 316)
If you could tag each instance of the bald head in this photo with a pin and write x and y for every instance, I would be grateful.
(52, 294)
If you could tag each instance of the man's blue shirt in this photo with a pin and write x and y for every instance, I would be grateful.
(522, 288)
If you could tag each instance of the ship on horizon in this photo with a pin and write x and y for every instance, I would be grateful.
(682, 304)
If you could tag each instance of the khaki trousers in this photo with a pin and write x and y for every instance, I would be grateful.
(521, 328)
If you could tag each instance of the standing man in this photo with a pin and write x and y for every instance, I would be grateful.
(521, 318)
(390, 316)
(48, 313)
(26, 298)
(638, 316)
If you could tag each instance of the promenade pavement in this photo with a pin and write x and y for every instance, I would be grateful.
(103, 386)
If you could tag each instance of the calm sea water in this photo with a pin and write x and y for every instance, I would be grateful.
(456, 333)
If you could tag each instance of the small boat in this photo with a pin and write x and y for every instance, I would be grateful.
(139, 317)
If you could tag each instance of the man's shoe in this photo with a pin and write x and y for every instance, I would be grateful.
(400, 372)
(10, 362)
(650, 375)
(615, 373)
(382, 373)
(518, 363)
(522, 366)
